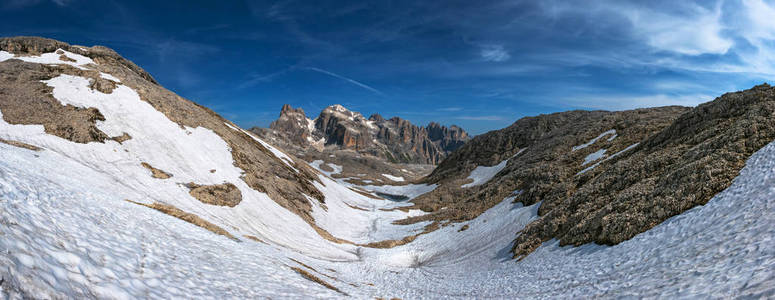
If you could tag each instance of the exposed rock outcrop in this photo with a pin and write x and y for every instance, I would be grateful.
(156, 173)
(225, 194)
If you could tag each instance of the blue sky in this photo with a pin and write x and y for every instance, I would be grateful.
(478, 64)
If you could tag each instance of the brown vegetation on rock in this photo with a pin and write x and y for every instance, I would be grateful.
(253, 238)
(122, 138)
(20, 145)
(315, 279)
(103, 85)
(188, 217)
(225, 194)
(156, 173)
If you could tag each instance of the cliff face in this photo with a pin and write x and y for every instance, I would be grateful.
(395, 139)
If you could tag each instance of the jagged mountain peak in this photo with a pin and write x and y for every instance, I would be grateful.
(338, 107)
(394, 139)
(376, 118)
(294, 122)
(343, 113)
(288, 109)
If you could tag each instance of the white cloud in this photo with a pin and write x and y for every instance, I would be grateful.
(494, 53)
(625, 102)
(733, 36)
(758, 29)
(450, 109)
(693, 32)
(762, 20)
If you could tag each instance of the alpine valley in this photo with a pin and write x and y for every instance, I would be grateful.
(112, 186)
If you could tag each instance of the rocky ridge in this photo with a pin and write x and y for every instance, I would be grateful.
(604, 177)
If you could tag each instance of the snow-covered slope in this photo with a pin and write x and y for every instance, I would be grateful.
(62, 236)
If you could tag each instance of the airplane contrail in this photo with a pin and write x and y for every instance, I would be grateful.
(355, 82)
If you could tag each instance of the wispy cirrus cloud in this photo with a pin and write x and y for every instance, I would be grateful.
(259, 78)
(495, 53)
(62, 2)
(480, 118)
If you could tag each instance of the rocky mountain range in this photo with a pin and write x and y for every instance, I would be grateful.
(336, 128)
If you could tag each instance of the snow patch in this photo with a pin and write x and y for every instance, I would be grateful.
(4, 55)
(482, 175)
(607, 158)
(592, 141)
(594, 156)
(393, 178)
(410, 191)
(52, 58)
(369, 223)
(337, 168)
(231, 127)
(109, 77)
(518, 152)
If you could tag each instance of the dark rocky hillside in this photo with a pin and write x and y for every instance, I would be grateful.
(604, 177)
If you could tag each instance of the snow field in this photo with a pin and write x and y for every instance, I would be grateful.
(482, 175)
